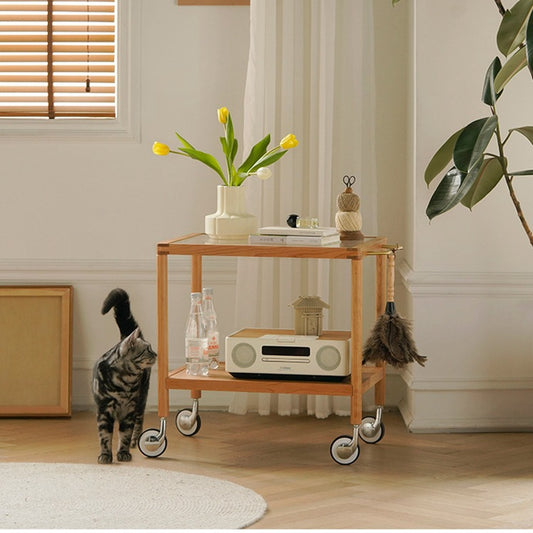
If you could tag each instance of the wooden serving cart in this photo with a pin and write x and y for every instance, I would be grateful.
(344, 449)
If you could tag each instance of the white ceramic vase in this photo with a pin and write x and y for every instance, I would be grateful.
(231, 220)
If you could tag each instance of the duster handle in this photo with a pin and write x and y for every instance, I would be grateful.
(390, 276)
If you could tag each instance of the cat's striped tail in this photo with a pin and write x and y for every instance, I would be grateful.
(120, 301)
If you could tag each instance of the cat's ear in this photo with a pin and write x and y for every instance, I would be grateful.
(129, 342)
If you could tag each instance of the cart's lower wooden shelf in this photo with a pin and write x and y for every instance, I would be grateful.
(220, 380)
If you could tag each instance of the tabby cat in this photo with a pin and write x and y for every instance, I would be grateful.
(121, 378)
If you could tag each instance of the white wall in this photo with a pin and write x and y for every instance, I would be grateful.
(90, 213)
(468, 275)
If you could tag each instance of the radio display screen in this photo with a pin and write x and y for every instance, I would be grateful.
(301, 351)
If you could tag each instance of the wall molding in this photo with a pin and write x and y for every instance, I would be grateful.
(222, 270)
(445, 283)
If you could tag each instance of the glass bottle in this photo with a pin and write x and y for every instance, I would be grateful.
(211, 324)
(196, 344)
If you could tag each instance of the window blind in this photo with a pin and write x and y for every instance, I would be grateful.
(58, 58)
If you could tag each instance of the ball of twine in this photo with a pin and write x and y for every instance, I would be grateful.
(348, 201)
(346, 221)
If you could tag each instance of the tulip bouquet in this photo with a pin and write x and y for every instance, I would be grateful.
(255, 164)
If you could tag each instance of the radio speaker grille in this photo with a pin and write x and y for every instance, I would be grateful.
(328, 358)
(243, 355)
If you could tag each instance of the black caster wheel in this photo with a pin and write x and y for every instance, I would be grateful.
(149, 445)
(186, 426)
(368, 434)
(341, 452)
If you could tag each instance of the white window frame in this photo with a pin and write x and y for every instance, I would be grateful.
(126, 127)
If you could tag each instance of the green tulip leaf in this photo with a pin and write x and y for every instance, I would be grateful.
(489, 175)
(513, 27)
(521, 173)
(511, 67)
(206, 159)
(472, 142)
(529, 43)
(489, 95)
(451, 190)
(266, 160)
(441, 158)
(185, 143)
(259, 150)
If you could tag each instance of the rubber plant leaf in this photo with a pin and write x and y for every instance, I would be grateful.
(451, 190)
(489, 175)
(521, 173)
(489, 95)
(526, 131)
(257, 151)
(529, 43)
(472, 142)
(513, 27)
(511, 67)
(205, 158)
(441, 158)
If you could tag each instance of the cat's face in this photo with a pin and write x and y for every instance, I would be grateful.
(135, 350)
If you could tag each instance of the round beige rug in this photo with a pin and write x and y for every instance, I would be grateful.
(119, 496)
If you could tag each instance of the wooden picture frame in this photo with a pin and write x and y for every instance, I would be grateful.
(35, 350)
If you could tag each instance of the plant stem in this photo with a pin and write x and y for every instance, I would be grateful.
(501, 9)
(509, 182)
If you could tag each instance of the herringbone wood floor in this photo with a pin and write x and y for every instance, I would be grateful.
(406, 481)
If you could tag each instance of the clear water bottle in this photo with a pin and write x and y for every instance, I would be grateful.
(211, 325)
(196, 344)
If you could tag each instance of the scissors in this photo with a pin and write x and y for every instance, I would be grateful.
(348, 180)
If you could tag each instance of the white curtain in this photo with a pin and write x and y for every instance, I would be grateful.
(304, 77)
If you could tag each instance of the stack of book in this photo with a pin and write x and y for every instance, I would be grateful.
(294, 236)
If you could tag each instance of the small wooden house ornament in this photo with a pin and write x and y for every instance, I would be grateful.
(308, 315)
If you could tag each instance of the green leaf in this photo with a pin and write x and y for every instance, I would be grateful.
(441, 158)
(451, 190)
(521, 173)
(472, 142)
(489, 95)
(529, 43)
(512, 67)
(205, 158)
(185, 143)
(490, 174)
(267, 160)
(259, 150)
(526, 131)
(513, 27)
(230, 139)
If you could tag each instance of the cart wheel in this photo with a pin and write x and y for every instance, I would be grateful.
(149, 445)
(341, 452)
(367, 432)
(186, 426)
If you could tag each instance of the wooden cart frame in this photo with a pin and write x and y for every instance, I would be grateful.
(344, 450)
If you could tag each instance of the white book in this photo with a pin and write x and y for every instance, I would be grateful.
(301, 232)
(305, 240)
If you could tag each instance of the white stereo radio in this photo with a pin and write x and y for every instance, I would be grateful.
(280, 354)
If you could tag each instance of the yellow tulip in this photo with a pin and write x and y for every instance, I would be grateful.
(289, 141)
(223, 115)
(160, 148)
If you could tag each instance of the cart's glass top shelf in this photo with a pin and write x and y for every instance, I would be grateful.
(201, 244)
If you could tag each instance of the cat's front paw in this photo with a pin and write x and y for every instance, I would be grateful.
(105, 458)
(133, 443)
(124, 456)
